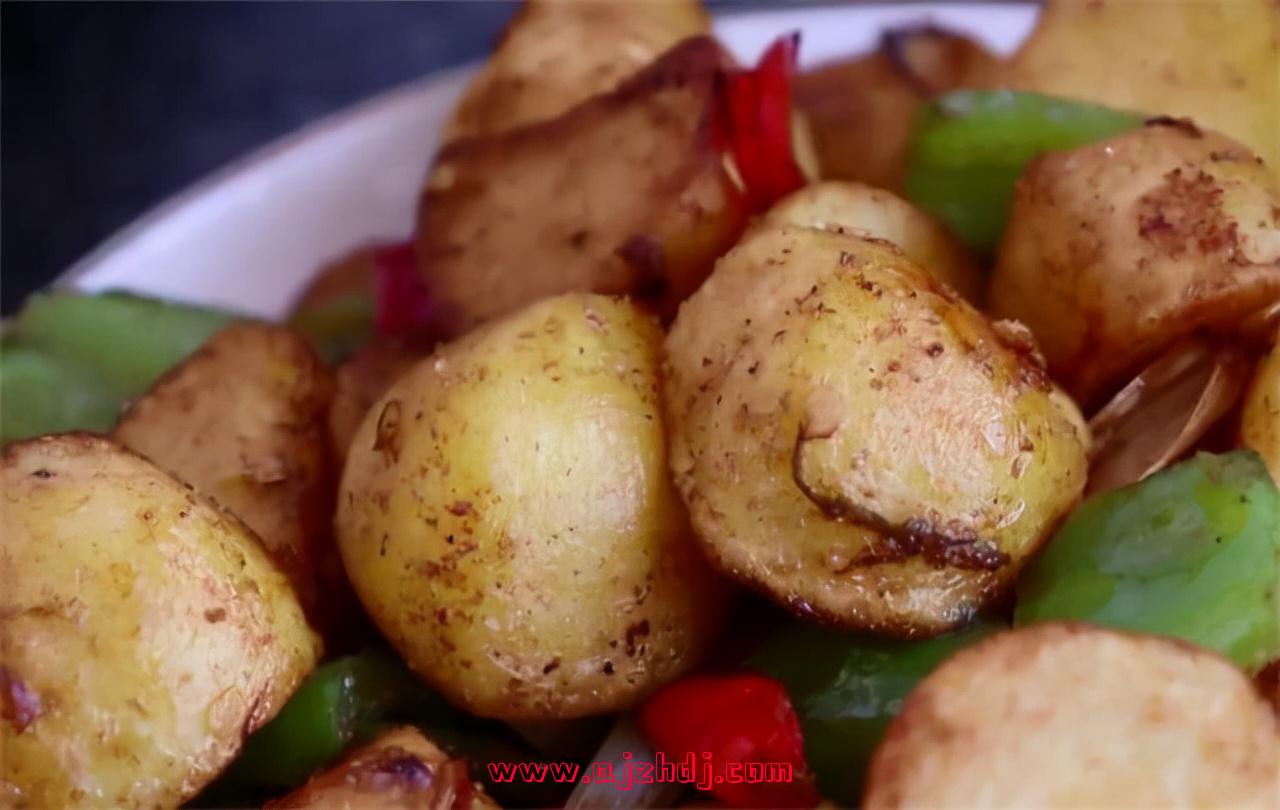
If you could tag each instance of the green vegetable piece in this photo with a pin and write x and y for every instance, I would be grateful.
(846, 688)
(1191, 552)
(127, 340)
(969, 147)
(338, 326)
(41, 393)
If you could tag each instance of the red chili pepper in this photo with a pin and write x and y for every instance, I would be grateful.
(740, 718)
(401, 302)
(755, 124)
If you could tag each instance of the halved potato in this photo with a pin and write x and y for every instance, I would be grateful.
(1116, 250)
(1260, 421)
(861, 111)
(555, 54)
(856, 441)
(1216, 61)
(1066, 715)
(625, 193)
(145, 633)
(864, 211)
(401, 769)
(507, 518)
(244, 420)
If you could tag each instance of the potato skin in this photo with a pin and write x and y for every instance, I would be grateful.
(400, 770)
(1071, 715)
(555, 54)
(244, 420)
(1114, 250)
(864, 211)
(507, 519)
(145, 632)
(1260, 419)
(626, 193)
(853, 439)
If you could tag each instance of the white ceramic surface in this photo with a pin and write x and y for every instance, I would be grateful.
(250, 236)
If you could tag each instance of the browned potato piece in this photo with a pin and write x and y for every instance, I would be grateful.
(400, 770)
(1068, 715)
(244, 421)
(507, 518)
(1260, 421)
(144, 633)
(1216, 61)
(555, 54)
(872, 212)
(360, 381)
(861, 112)
(1115, 250)
(626, 193)
(856, 441)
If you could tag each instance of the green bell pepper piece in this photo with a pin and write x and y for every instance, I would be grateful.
(846, 688)
(969, 147)
(42, 393)
(1191, 552)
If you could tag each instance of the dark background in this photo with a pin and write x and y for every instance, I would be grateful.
(108, 108)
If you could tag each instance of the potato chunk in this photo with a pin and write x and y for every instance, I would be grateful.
(1260, 422)
(855, 440)
(872, 212)
(145, 633)
(244, 421)
(507, 519)
(1068, 715)
(1115, 250)
(555, 54)
(401, 769)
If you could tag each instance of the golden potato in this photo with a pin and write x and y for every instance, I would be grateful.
(555, 54)
(1216, 61)
(400, 770)
(244, 420)
(626, 193)
(507, 518)
(861, 112)
(360, 381)
(1115, 250)
(1260, 421)
(872, 212)
(853, 439)
(144, 632)
(1068, 715)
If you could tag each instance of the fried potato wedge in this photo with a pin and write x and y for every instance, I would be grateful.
(360, 381)
(145, 633)
(1068, 715)
(1215, 61)
(244, 421)
(400, 770)
(555, 54)
(856, 441)
(858, 209)
(861, 111)
(1116, 250)
(626, 193)
(1260, 420)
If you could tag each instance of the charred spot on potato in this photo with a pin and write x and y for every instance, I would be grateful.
(19, 703)
(215, 615)
(1183, 124)
(636, 631)
(42, 474)
(387, 437)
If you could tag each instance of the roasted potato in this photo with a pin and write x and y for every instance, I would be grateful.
(626, 193)
(555, 54)
(853, 439)
(399, 769)
(507, 519)
(861, 111)
(871, 212)
(1069, 715)
(360, 381)
(1260, 421)
(145, 633)
(1216, 61)
(244, 420)
(1115, 250)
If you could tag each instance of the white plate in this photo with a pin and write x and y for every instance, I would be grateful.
(250, 236)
